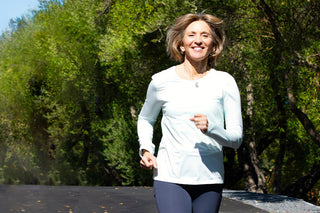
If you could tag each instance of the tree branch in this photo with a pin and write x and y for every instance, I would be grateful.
(307, 62)
(303, 118)
(262, 6)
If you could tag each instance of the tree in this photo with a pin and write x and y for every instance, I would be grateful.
(268, 49)
(73, 77)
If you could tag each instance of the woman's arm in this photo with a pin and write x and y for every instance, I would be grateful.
(147, 117)
(231, 134)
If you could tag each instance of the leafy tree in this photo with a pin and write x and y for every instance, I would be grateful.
(73, 77)
(270, 44)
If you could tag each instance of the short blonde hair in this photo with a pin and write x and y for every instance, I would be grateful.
(176, 32)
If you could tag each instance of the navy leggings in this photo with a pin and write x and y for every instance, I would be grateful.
(178, 198)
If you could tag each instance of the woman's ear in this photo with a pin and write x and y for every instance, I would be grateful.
(214, 49)
(181, 47)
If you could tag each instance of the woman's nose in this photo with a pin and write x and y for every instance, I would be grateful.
(198, 40)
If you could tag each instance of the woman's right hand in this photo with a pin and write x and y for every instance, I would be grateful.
(148, 161)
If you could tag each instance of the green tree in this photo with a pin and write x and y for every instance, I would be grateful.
(273, 48)
(73, 77)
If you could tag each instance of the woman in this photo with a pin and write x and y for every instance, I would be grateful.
(201, 114)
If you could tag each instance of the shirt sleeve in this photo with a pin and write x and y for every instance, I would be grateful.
(147, 117)
(231, 134)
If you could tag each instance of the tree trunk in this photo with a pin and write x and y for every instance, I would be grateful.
(300, 187)
(303, 118)
(277, 76)
(255, 179)
(86, 136)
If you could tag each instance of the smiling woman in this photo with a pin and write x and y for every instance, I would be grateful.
(13, 9)
(201, 114)
(176, 33)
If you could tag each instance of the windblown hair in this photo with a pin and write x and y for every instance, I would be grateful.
(176, 33)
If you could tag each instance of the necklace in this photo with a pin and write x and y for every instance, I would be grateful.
(191, 75)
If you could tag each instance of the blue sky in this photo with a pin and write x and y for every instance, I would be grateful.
(14, 8)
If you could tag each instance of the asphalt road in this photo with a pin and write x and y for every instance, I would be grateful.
(76, 199)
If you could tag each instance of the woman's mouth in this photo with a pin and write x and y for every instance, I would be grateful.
(197, 48)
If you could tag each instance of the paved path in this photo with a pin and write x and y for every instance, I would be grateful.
(75, 199)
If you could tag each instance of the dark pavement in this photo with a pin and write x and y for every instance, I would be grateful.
(76, 199)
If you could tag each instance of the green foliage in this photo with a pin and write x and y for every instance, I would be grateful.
(74, 75)
(120, 145)
(63, 70)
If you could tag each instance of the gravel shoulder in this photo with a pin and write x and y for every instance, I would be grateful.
(272, 203)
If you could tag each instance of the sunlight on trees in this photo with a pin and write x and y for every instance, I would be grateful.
(73, 77)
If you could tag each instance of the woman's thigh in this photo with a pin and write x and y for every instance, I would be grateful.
(171, 198)
(206, 198)
(208, 202)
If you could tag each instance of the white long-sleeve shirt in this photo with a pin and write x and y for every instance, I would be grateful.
(186, 155)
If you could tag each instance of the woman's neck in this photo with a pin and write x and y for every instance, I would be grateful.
(193, 71)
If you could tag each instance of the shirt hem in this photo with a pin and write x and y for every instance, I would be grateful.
(186, 182)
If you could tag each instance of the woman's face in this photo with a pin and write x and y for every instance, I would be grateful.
(197, 41)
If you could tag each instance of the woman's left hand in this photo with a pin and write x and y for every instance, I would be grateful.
(201, 122)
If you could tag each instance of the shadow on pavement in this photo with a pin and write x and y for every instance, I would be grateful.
(80, 199)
